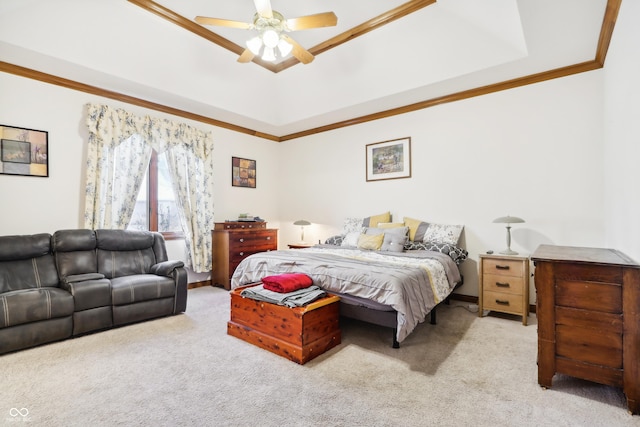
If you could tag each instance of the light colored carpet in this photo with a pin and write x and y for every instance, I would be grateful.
(184, 370)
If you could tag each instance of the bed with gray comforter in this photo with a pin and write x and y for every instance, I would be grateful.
(410, 283)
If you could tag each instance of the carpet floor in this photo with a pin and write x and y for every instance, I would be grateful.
(186, 371)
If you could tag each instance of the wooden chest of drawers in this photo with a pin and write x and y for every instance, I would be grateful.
(588, 309)
(234, 241)
(504, 285)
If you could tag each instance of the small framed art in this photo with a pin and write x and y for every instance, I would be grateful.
(243, 172)
(389, 159)
(24, 151)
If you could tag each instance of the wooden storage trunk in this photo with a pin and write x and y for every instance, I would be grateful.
(299, 334)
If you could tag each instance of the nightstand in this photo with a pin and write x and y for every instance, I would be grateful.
(299, 246)
(503, 285)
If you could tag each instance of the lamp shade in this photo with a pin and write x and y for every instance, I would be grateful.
(302, 222)
(508, 220)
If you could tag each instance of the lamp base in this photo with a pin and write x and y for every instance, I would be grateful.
(508, 252)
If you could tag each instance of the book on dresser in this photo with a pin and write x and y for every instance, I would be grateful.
(233, 241)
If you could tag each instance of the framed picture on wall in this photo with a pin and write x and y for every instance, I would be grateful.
(389, 159)
(24, 151)
(243, 172)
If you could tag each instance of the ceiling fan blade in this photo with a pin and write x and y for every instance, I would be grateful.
(203, 20)
(302, 54)
(327, 19)
(264, 8)
(246, 56)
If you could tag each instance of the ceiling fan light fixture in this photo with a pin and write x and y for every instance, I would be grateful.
(270, 38)
(254, 45)
(268, 54)
(284, 47)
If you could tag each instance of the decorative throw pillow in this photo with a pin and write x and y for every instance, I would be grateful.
(393, 242)
(334, 240)
(443, 233)
(351, 239)
(372, 221)
(370, 241)
(417, 228)
(352, 224)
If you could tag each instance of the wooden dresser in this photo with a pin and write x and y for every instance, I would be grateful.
(503, 285)
(588, 309)
(233, 241)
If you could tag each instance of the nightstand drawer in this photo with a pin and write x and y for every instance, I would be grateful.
(502, 267)
(506, 284)
(498, 301)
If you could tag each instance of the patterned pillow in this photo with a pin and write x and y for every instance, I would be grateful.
(334, 240)
(443, 233)
(352, 224)
(457, 254)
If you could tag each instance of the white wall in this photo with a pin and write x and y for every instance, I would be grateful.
(622, 130)
(533, 152)
(35, 204)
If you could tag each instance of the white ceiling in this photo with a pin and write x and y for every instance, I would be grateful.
(447, 47)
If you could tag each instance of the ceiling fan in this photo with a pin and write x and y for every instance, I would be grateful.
(271, 27)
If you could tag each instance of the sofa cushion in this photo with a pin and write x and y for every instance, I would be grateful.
(24, 247)
(75, 252)
(141, 287)
(33, 305)
(90, 293)
(125, 252)
(28, 273)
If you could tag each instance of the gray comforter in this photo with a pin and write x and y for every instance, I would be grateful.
(411, 282)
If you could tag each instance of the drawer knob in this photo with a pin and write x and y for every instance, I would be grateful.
(502, 267)
(241, 253)
(502, 302)
(241, 240)
(502, 285)
(268, 237)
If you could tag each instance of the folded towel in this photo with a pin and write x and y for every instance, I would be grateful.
(287, 282)
(298, 298)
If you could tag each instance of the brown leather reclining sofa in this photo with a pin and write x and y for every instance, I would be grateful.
(74, 282)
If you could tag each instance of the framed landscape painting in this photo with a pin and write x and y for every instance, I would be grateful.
(389, 159)
(24, 151)
(243, 172)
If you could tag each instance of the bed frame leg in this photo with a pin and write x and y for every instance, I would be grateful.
(395, 344)
(433, 316)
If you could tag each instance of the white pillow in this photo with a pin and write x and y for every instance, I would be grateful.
(351, 225)
(351, 239)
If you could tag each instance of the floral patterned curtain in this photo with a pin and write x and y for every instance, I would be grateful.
(120, 145)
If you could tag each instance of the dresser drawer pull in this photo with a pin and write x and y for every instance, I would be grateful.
(502, 285)
(241, 240)
(502, 302)
(502, 267)
(268, 237)
(241, 253)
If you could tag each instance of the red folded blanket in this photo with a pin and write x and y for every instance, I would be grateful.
(287, 282)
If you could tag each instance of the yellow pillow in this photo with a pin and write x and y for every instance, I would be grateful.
(413, 225)
(370, 241)
(390, 224)
(375, 219)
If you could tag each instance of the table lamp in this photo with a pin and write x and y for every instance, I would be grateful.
(508, 220)
(302, 223)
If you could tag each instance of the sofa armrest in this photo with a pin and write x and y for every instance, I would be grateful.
(165, 268)
(82, 277)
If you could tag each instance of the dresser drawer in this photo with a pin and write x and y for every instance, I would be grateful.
(240, 225)
(503, 284)
(498, 301)
(503, 267)
(257, 240)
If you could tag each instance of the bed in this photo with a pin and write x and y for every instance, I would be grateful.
(395, 282)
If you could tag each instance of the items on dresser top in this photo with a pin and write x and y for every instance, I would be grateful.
(233, 241)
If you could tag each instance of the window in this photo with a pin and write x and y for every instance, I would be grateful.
(156, 208)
